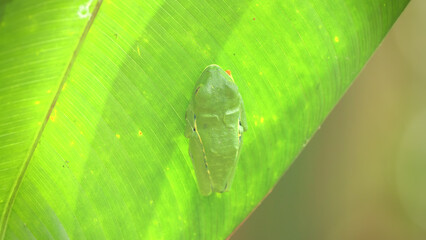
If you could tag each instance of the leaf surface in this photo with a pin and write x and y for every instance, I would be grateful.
(93, 97)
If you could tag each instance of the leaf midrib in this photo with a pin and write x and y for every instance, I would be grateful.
(11, 199)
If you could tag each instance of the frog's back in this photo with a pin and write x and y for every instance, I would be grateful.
(220, 138)
(214, 128)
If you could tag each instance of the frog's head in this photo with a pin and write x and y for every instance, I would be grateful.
(216, 89)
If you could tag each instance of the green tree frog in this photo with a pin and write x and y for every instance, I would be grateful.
(215, 122)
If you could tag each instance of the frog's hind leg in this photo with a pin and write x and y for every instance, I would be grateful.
(197, 154)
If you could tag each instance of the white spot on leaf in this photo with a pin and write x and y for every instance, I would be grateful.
(83, 10)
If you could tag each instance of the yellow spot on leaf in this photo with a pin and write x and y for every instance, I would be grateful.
(336, 39)
(64, 86)
(260, 73)
(117, 136)
(139, 52)
(37, 102)
(72, 143)
(49, 91)
(91, 171)
(140, 133)
(39, 123)
(151, 202)
(255, 123)
(274, 117)
(261, 120)
(53, 115)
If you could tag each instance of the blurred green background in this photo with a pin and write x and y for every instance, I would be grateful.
(363, 175)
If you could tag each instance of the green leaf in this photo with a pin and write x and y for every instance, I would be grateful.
(93, 98)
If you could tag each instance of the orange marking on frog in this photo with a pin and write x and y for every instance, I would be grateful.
(229, 73)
